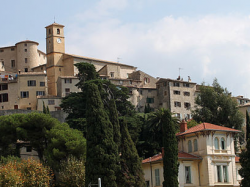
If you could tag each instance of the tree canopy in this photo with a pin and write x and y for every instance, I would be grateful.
(215, 105)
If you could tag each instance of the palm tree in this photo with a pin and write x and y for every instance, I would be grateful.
(155, 125)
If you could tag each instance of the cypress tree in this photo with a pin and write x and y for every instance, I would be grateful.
(170, 158)
(131, 168)
(245, 165)
(113, 116)
(247, 125)
(101, 149)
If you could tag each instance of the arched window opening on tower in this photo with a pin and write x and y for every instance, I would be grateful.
(58, 31)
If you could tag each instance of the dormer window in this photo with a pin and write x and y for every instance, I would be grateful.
(58, 31)
(189, 146)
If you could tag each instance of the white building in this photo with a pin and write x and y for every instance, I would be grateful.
(206, 156)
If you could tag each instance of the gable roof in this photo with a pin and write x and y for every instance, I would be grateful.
(206, 127)
(181, 155)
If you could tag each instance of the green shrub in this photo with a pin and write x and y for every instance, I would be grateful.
(27, 173)
(72, 173)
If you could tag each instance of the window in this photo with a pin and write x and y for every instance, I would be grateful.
(25, 45)
(195, 145)
(42, 84)
(147, 184)
(164, 83)
(176, 92)
(165, 93)
(3, 87)
(25, 69)
(13, 63)
(26, 60)
(146, 80)
(28, 149)
(185, 84)
(219, 177)
(4, 97)
(189, 146)
(39, 93)
(188, 174)
(150, 100)
(49, 31)
(177, 104)
(157, 177)
(31, 83)
(176, 84)
(25, 50)
(130, 82)
(222, 173)
(1, 50)
(216, 143)
(222, 143)
(67, 81)
(112, 74)
(12, 49)
(187, 105)
(178, 115)
(3, 63)
(58, 31)
(51, 102)
(186, 93)
(67, 91)
(24, 94)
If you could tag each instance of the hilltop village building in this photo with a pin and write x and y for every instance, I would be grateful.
(30, 77)
(206, 157)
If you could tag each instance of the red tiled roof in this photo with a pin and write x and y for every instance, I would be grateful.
(237, 159)
(181, 155)
(206, 126)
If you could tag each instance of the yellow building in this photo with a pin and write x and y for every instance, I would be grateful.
(206, 158)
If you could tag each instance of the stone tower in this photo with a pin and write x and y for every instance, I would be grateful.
(55, 49)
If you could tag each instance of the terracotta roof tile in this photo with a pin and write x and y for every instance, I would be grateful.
(207, 126)
(181, 155)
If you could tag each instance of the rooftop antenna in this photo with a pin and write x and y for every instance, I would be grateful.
(118, 59)
(54, 19)
(180, 71)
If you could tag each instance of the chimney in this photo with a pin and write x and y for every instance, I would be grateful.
(162, 152)
(183, 126)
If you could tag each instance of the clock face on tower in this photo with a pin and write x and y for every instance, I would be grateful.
(59, 40)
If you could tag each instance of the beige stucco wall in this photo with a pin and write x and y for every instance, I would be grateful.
(61, 85)
(53, 107)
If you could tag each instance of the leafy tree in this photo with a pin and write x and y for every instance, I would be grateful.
(34, 127)
(215, 105)
(131, 168)
(63, 142)
(102, 152)
(8, 136)
(170, 158)
(192, 123)
(72, 172)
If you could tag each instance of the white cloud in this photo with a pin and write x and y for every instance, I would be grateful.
(206, 47)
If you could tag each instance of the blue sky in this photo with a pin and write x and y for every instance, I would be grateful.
(206, 38)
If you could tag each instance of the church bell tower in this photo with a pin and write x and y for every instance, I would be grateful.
(55, 49)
